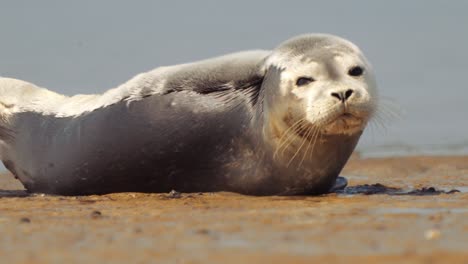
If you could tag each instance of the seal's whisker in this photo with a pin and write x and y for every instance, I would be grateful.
(282, 139)
(390, 106)
(291, 128)
(310, 132)
(316, 137)
(387, 110)
(287, 134)
(377, 123)
(377, 126)
(304, 140)
(381, 118)
(290, 138)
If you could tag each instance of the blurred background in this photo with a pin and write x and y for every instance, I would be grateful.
(418, 50)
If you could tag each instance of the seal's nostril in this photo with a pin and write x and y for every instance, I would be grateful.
(337, 95)
(343, 96)
(348, 93)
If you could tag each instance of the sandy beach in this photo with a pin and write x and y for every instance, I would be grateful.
(406, 209)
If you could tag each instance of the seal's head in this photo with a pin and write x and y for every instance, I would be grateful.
(320, 81)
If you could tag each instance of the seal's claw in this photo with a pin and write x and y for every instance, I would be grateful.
(340, 184)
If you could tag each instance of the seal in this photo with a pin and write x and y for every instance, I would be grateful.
(258, 122)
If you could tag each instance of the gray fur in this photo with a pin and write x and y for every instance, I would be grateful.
(204, 130)
(301, 45)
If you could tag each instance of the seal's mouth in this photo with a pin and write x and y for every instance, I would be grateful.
(348, 118)
(344, 123)
(306, 132)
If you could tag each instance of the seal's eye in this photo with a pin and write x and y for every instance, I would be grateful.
(356, 71)
(304, 81)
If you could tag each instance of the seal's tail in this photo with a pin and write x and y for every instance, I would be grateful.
(18, 96)
(15, 96)
(8, 89)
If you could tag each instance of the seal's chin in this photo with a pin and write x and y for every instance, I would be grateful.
(345, 123)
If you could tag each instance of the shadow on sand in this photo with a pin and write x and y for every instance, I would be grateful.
(369, 189)
(13, 193)
(365, 189)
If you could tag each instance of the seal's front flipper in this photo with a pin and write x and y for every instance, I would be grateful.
(340, 184)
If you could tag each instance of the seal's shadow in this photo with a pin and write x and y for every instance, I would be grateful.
(370, 189)
(365, 189)
(13, 193)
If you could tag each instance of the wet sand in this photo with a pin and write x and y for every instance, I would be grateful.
(389, 213)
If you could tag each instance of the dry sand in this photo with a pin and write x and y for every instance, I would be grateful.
(365, 224)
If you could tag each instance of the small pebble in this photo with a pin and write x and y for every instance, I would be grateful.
(175, 194)
(25, 220)
(432, 234)
(96, 214)
(203, 231)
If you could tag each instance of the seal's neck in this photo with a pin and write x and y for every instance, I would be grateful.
(290, 141)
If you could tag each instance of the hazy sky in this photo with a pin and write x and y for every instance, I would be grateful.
(418, 48)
